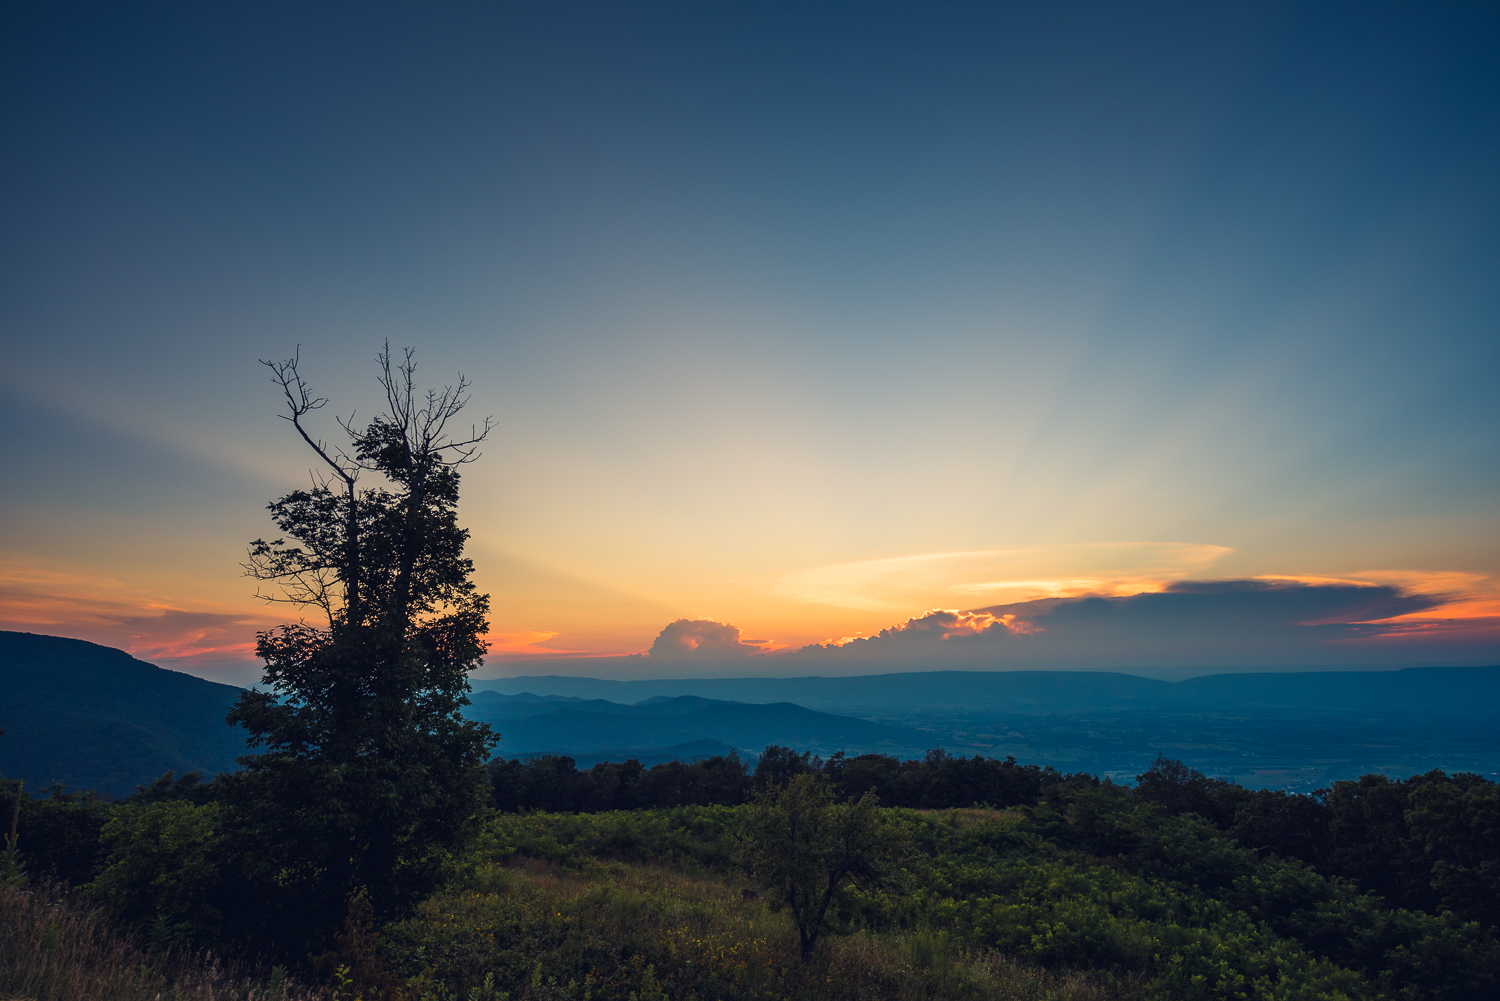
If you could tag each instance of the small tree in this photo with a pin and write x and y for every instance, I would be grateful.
(804, 849)
(369, 772)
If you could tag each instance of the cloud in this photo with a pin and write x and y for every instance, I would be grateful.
(1183, 626)
(969, 579)
(176, 634)
(701, 640)
(1197, 623)
(526, 642)
(48, 598)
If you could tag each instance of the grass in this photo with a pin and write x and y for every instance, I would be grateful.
(56, 947)
(633, 907)
(533, 930)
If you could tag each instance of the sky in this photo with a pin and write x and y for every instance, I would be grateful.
(820, 338)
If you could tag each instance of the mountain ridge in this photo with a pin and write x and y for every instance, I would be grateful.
(95, 717)
(1413, 689)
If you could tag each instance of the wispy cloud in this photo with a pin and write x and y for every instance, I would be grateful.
(970, 579)
(1464, 596)
(527, 643)
(37, 596)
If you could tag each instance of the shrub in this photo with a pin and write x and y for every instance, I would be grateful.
(162, 871)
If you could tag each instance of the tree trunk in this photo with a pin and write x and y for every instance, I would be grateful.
(353, 613)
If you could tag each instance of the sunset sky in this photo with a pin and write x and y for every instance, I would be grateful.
(1161, 338)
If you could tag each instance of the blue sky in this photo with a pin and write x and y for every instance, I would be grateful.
(763, 296)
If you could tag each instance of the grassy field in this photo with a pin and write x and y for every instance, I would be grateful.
(535, 929)
(1093, 894)
(636, 905)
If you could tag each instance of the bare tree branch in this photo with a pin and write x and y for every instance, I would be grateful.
(301, 402)
(303, 578)
(422, 421)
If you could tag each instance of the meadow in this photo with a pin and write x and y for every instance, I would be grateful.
(648, 904)
(1169, 889)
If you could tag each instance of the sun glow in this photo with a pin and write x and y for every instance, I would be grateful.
(1466, 600)
(1002, 576)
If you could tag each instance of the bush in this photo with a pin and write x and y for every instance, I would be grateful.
(162, 871)
(58, 831)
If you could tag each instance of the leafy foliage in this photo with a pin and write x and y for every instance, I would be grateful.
(632, 931)
(1430, 843)
(58, 831)
(12, 868)
(162, 871)
(1181, 912)
(938, 780)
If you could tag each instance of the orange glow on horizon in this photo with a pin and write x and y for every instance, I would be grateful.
(528, 642)
(1463, 597)
(43, 596)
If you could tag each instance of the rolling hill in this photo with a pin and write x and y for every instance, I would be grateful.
(96, 718)
(93, 717)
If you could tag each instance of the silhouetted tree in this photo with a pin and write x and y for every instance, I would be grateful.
(779, 764)
(368, 772)
(554, 783)
(59, 830)
(1455, 823)
(1174, 787)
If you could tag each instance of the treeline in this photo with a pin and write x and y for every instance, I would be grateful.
(1430, 843)
(554, 783)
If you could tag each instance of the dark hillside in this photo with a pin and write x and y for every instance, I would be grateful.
(96, 718)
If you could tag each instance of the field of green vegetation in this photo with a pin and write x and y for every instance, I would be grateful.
(1091, 890)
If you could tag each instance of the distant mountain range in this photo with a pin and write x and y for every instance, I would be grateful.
(1412, 690)
(96, 718)
(529, 724)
